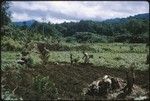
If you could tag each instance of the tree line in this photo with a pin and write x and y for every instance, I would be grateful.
(131, 30)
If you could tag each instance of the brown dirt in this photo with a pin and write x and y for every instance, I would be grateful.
(69, 79)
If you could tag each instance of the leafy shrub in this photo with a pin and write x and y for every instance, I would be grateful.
(8, 44)
(131, 48)
(7, 95)
(54, 46)
(5, 67)
(9, 65)
(123, 38)
(58, 47)
(70, 39)
(29, 62)
(91, 37)
(44, 86)
(44, 53)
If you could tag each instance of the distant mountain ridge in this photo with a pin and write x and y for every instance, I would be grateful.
(144, 16)
(21, 23)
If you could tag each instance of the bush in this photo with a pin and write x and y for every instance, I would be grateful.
(29, 63)
(58, 47)
(44, 86)
(44, 53)
(91, 37)
(7, 95)
(70, 39)
(123, 38)
(54, 46)
(8, 44)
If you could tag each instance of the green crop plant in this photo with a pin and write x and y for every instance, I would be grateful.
(44, 86)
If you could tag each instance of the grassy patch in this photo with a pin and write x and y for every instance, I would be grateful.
(101, 57)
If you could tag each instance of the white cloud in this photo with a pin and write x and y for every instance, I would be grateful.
(59, 11)
(55, 20)
(20, 17)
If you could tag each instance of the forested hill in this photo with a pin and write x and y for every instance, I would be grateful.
(21, 23)
(130, 29)
(144, 16)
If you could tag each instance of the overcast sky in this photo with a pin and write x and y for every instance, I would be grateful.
(60, 11)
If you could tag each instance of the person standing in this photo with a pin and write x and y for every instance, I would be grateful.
(86, 57)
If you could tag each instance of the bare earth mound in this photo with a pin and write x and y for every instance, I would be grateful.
(70, 81)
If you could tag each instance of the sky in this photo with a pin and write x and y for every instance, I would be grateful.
(60, 11)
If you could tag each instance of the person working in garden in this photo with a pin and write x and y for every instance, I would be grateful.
(86, 57)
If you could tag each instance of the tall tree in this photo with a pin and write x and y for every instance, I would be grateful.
(5, 13)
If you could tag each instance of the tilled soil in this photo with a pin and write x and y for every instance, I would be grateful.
(69, 80)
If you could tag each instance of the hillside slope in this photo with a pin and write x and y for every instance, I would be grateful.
(69, 80)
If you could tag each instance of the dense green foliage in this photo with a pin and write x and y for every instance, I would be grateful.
(5, 14)
(132, 31)
(43, 85)
(55, 42)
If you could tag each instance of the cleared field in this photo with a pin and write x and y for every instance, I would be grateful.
(111, 55)
(67, 81)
